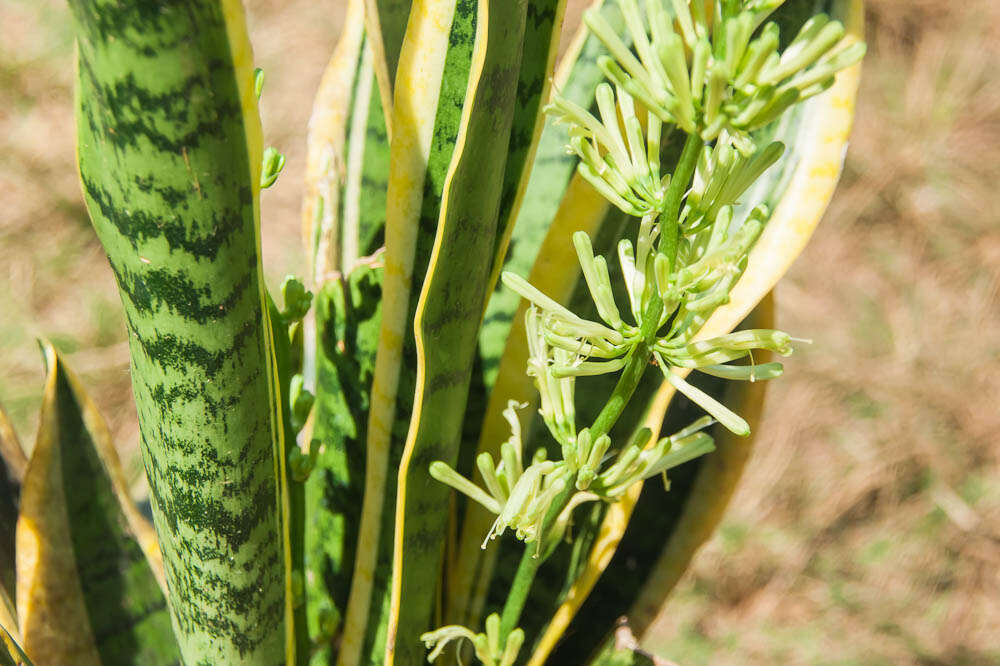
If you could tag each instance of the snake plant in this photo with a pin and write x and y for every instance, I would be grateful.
(513, 268)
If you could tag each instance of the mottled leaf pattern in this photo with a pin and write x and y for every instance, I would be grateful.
(448, 316)
(169, 150)
(553, 204)
(347, 318)
(86, 593)
(433, 72)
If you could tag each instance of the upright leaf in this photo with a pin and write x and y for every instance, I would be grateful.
(448, 316)
(432, 75)
(542, 28)
(170, 156)
(549, 188)
(294, 491)
(11, 475)
(347, 318)
(11, 449)
(11, 653)
(386, 21)
(343, 214)
(550, 206)
(86, 592)
(345, 205)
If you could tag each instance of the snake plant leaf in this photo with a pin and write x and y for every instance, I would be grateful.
(554, 203)
(11, 449)
(550, 193)
(86, 592)
(448, 316)
(433, 75)
(386, 22)
(11, 653)
(295, 489)
(343, 213)
(8, 614)
(347, 177)
(11, 476)
(8, 525)
(170, 150)
(348, 312)
(326, 155)
(541, 42)
(540, 45)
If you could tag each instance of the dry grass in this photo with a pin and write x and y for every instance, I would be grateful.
(867, 529)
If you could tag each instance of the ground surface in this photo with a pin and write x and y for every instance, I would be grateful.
(867, 528)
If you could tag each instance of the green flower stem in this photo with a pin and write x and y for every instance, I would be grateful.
(627, 383)
(528, 567)
(638, 360)
(637, 363)
(679, 182)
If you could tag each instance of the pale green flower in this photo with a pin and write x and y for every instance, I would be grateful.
(723, 74)
(486, 645)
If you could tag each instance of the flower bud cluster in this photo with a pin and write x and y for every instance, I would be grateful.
(486, 645)
(520, 496)
(615, 157)
(713, 250)
(639, 461)
(707, 73)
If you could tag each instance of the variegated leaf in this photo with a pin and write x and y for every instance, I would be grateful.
(86, 592)
(169, 148)
(551, 206)
(433, 74)
(448, 314)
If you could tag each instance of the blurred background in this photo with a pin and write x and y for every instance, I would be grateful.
(867, 527)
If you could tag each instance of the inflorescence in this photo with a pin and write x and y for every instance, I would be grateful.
(717, 76)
